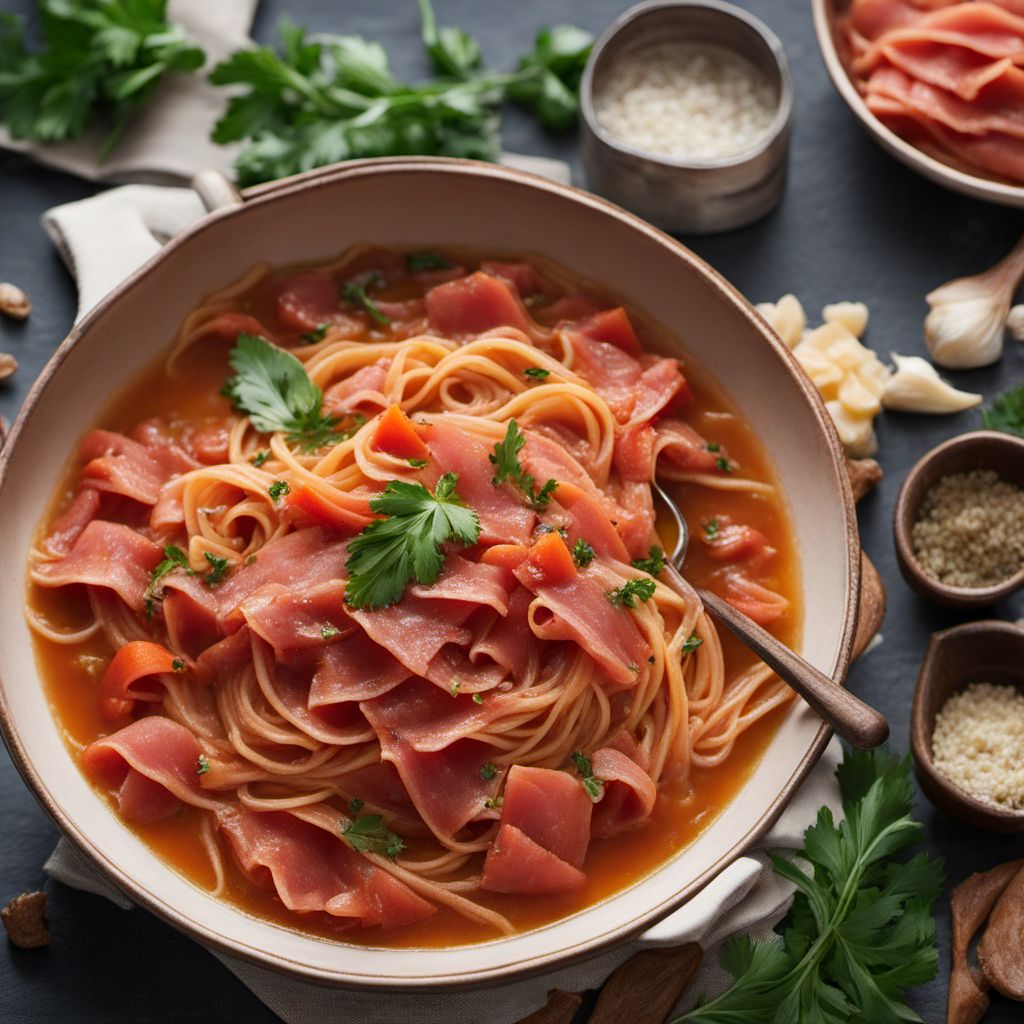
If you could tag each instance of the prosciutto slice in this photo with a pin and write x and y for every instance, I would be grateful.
(353, 669)
(629, 792)
(471, 305)
(297, 618)
(119, 465)
(364, 387)
(151, 764)
(191, 614)
(613, 374)
(105, 555)
(72, 521)
(312, 870)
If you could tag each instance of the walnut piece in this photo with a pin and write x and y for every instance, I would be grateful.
(24, 920)
(8, 364)
(13, 301)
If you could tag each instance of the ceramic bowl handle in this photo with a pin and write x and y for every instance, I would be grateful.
(215, 191)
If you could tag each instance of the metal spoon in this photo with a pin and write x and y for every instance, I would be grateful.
(856, 722)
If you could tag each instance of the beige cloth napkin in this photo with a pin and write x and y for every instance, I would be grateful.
(104, 238)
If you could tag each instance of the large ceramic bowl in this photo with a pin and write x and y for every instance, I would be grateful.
(826, 15)
(422, 202)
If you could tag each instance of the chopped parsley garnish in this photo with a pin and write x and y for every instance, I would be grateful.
(329, 632)
(1006, 413)
(407, 543)
(355, 805)
(493, 802)
(178, 665)
(317, 334)
(369, 834)
(261, 457)
(174, 558)
(356, 294)
(218, 569)
(202, 764)
(277, 490)
(418, 463)
(417, 262)
(691, 643)
(710, 529)
(537, 372)
(271, 386)
(455, 687)
(505, 460)
(653, 564)
(249, 560)
(627, 594)
(633, 667)
(592, 785)
(713, 446)
(582, 553)
(723, 464)
(488, 771)
(478, 698)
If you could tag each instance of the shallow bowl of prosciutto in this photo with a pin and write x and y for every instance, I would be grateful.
(939, 84)
(344, 640)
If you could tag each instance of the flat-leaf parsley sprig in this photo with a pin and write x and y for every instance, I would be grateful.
(505, 460)
(407, 544)
(860, 931)
(272, 387)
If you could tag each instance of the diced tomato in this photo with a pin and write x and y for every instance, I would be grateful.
(552, 560)
(396, 435)
(308, 507)
(134, 661)
(612, 326)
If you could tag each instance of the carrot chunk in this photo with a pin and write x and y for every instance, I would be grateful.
(307, 507)
(551, 558)
(396, 435)
(136, 660)
(507, 556)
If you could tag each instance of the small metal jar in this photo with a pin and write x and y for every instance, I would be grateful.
(694, 196)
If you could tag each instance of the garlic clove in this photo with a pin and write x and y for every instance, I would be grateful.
(824, 374)
(1015, 323)
(856, 398)
(852, 315)
(874, 375)
(917, 387)
(856, 432)
(822, 338)
(847, 353)
(786, 317)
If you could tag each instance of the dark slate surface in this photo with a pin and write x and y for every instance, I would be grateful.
(854, 225)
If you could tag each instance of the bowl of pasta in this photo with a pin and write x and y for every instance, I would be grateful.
(344, 643)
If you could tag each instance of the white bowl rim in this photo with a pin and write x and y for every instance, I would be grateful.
(620, 931)
(950, 177)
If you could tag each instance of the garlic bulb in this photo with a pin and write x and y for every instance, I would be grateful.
(1015, 323)
(917, 387)
(968, 316)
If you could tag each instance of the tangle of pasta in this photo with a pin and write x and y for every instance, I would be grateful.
(477, 736)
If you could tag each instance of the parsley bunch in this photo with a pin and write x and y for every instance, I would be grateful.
(1006, 413)
(100, 60)
(272, 387)
(328, 98)
(407, 544)
(860, 930)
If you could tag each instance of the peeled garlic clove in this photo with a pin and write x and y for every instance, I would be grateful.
(824, 374)
(856, 398)
(852, 315)
(8, 365)
(786, 317)
(1015, 323)
(856, 432)
(917, 387)
(14, 302)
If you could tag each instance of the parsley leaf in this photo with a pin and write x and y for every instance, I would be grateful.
(453, 52)
(406, 545)
(260, 457)
(1006, 413)
(710, 529)
(218, 569)
(723, 465)
(178, 665)
(537, 372)
(272, 387)
(653, 564)
(174, 558)
(691, 643)
(317, 334)
(478, 698)
(99, 63)
(369, 834)
(582, 553)
(627, 594)
(202, 764)
(418, 463)
(417, 262)
(356, 294)
(505, 460)
(860, 930)
(488, 770)
(548, 81)
(328, 632)
(278, 489)
(592, 785)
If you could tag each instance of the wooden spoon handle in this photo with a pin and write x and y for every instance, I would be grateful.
(857, 723)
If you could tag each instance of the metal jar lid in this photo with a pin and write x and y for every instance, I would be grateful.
(693, 196)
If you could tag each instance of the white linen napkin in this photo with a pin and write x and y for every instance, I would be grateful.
(102, 239)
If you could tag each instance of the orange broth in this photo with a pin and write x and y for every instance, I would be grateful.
(71, 674)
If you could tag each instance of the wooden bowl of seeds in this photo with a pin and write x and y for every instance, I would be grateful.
(959, 520)
(967, 724)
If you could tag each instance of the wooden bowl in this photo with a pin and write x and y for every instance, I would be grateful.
(976, 652)
(982, 449)
(994, 190)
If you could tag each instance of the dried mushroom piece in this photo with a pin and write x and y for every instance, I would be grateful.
(863, 474)
(560, 1008)
(1001, 950)
(24, 920)
(14, 302)
(8, 364)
